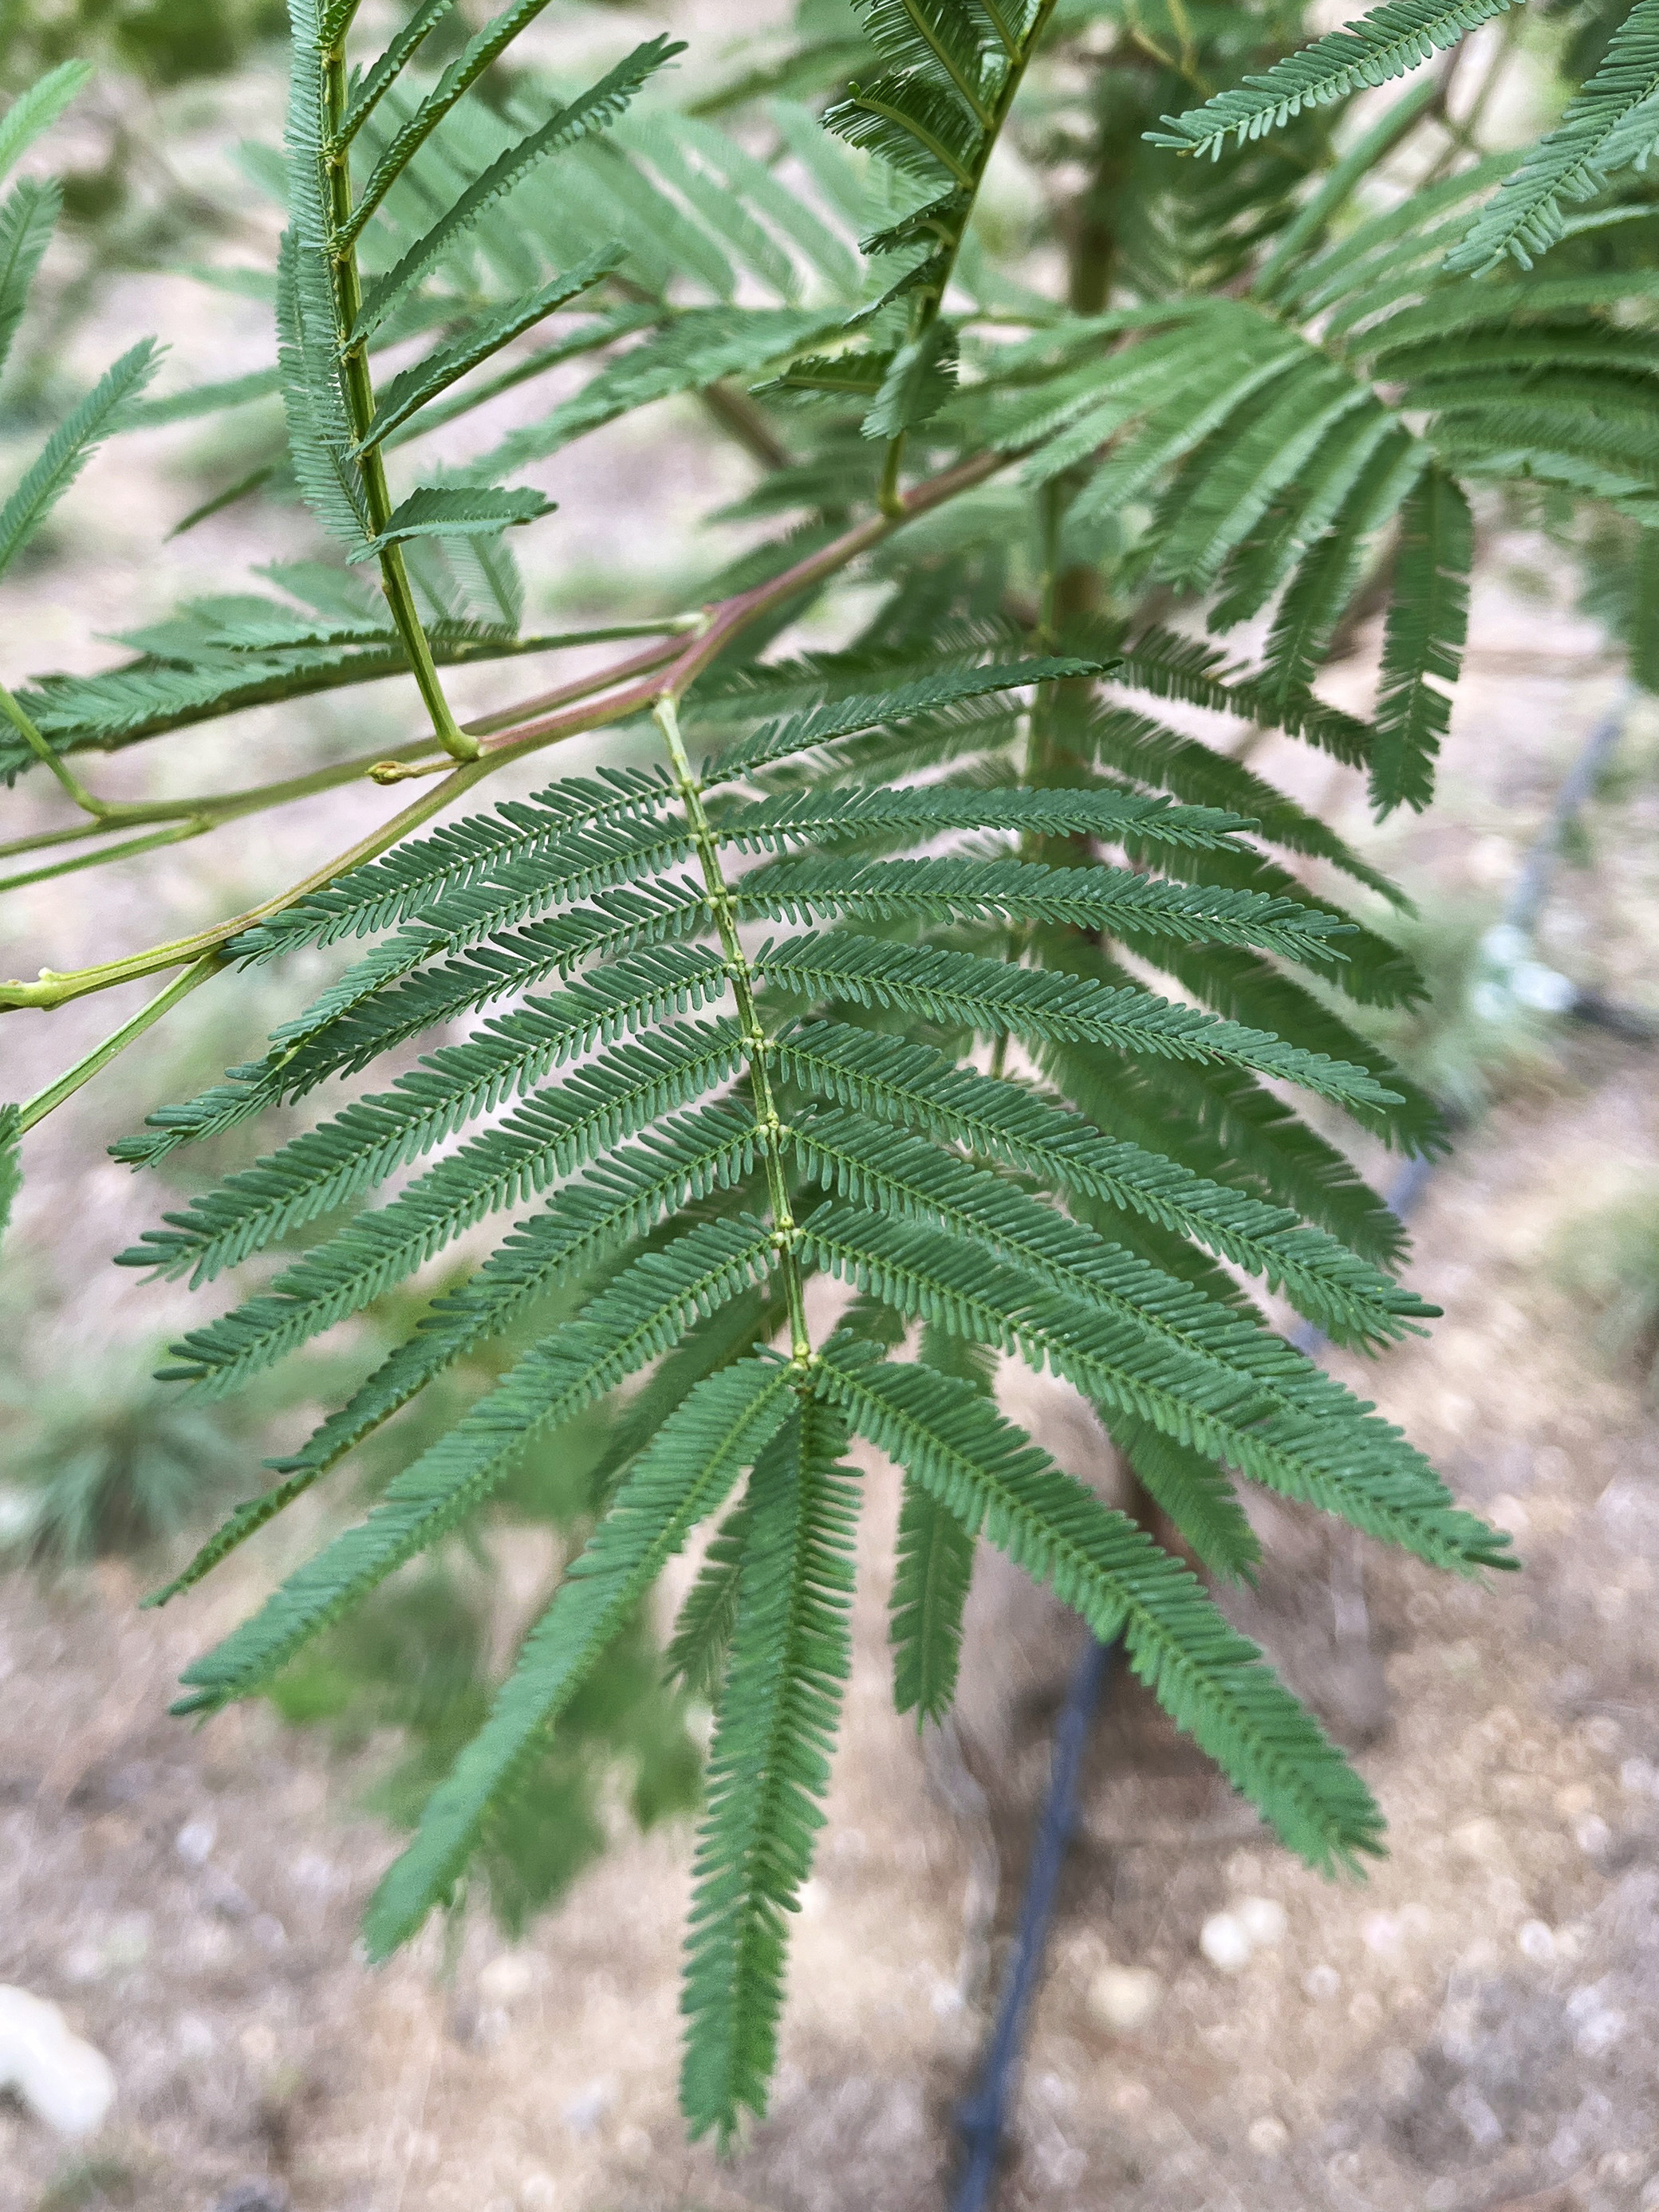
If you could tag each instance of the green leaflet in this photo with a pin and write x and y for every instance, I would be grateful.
(450, 511)
(919, 379)
(915, 1086)
(591, 111)
(1427, 623)
(590, 1221)
(1113, 900)
(1370, 1477)
(1608, 124)
(933, 1568)
(377, 1250)
(792, 735)
(27, 218)
(11, 1162)
(70, 447)
(39, 107)
(1384, 43)
(591, 1109)
(1213, 1684)
(457, 1081)
(205, 399)
(919, 811)
(1193, 1492)
(697, 1650)
(416, 874)
(768, 1765)
(644, 1311)
(699, 346)
(413, 388)
(962, 990)
(933, 1565)
(484, 47)
(378, 79)
(723, 1426)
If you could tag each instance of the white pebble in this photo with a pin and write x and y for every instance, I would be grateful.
(1321, 1983)
(1267, 2136)
(63, 2081)
(1537, 1941)
(1592, 1834)
(588, 2107)
(1379, 1932)
(1124, 1998)
(1263, 1921)
(506, 1979)
(195, 1840)
(1225, 1943)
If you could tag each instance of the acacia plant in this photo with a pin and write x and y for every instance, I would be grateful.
(857, 971)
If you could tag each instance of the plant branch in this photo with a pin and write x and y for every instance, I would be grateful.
(724, 621)
(768, 1128)
(930, 300)
(71, 1081)
(360, 403)
(37, 744)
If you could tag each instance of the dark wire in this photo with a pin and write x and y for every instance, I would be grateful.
(980, 2118)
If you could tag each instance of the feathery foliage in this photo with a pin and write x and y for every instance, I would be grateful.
(964, 964)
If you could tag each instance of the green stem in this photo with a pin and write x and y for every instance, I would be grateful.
(117, 1040)
(756, 1044)
(714, 632)
(359, 405)
(55, 987)
(175, 834)
(929, 303)
(37, 744)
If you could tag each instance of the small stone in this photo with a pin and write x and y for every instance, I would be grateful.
(1592, 1834)
(1566, 2148)
(63, 2081)
(1262, 1920)
(1322, 1982)
(1267, 2136)
(538, 2193)
(128, 1941)
(195, 1840)
(1225, 1943)
(506, 1979)
(260, 2195)
(1124, 1998)
(587, 2108)
(1537, 1941)
(1379, 1932)
(1486, 2131)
